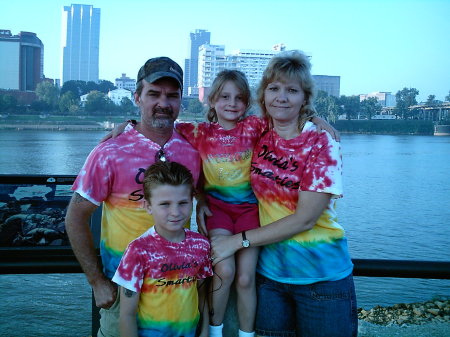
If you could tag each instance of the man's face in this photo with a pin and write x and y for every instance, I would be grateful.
(159, 102)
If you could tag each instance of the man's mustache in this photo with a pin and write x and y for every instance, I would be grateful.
(168, 111)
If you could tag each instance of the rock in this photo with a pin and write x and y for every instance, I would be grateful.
(435, 312)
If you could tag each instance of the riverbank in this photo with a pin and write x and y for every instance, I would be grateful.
(425, 319)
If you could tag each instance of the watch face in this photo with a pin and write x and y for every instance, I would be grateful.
(245, 243)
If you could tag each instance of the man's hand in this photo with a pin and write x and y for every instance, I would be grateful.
(105, 293)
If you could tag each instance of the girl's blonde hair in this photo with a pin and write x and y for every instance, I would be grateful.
(235, 76)
(290, 65)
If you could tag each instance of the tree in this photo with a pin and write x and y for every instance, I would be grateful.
(370, 106)
(78, 88)
(8, 103)
(405, 98)
(69, 103)
(195, 106)
(95, 101)
(105, 86)
(350, 105)
(48, 93)
(431, 100)
(447, 98)
(127, 105)
(326, 106)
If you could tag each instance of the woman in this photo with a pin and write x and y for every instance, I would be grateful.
(305, 284)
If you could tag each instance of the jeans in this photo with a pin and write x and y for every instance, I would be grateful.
(322, 309)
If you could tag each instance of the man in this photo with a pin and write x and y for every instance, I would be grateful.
(112, 175)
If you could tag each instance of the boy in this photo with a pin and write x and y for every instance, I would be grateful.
(161, 270)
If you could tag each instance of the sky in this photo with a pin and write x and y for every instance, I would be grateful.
(373, 45)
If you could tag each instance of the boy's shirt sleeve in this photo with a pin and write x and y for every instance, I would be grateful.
(205, 269)
(130, 273)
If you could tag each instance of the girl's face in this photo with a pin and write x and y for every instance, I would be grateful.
(229, 106)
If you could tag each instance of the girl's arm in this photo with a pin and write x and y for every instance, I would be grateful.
(322, 124)
(310, 206)
(128, 307)
(203, 306)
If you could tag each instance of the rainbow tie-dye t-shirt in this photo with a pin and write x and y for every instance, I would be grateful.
(165, 274)
(280, 169)
(226, 156)
(113, 174)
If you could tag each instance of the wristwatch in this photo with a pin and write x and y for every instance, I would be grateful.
(245, 242)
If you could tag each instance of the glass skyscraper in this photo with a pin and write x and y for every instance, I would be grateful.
(198, 38)
(80, 43)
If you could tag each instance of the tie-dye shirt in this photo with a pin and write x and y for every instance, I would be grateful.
(113, 174)
(226, 156)
(280, 169)
(165, 274)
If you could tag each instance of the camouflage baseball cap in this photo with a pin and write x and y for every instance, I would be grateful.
(159, 67)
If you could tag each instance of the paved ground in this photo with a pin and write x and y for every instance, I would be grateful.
(427, 330)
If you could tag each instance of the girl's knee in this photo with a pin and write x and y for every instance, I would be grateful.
(225, 271)
(245, 281)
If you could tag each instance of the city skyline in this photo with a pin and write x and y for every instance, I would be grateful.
(371, 45)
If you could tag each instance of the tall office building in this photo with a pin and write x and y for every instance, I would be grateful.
(80, 43)
(22, 65)
(198, 37)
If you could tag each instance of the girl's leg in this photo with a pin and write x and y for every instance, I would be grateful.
(223, 277)
(246, 260)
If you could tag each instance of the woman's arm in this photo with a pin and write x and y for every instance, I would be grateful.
(128, 307)
(310, 206)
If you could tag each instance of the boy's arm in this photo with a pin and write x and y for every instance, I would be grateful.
(128, 307)
(203, 307)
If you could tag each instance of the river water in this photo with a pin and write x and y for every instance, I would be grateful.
(396, 205)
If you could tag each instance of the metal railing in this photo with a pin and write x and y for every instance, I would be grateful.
(61, 259)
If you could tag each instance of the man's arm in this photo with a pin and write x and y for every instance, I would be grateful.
(78, 215)
(129, 301)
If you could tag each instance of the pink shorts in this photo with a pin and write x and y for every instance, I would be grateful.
(235, 218)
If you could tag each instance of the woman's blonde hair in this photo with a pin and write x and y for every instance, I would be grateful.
(290, 65)
(239, 79)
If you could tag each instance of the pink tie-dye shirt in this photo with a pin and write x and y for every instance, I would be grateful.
(113, 175)
(165, 274)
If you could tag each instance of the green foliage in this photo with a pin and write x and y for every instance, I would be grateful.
(8, 103)
(405, 98)
(447, 98)
(195, 106)
(48, 93)
(370, 107)
(391, 127)
(127, 105)
(69, 103)
(349, 105)
(97, 102)
(326, 106)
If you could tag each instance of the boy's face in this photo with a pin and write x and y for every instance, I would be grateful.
(171, 208)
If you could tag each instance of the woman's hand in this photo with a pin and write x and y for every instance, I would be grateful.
(223, 246)
(118, 129)
(323, 125)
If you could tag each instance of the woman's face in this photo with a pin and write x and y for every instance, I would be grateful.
(283, 100)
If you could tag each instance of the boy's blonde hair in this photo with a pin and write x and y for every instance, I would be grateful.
(166, 173)
(290, 65)
(235, 76)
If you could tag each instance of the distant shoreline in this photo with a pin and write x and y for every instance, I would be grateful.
(55, 127)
